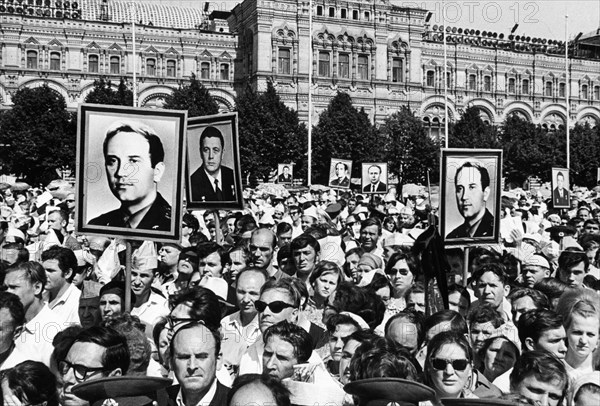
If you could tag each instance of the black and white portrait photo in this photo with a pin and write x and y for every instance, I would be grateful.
(339, 173)
(213, 165)
(374, 177)
(471, 181)
(129, 178)
(285, 173)
(561, 198)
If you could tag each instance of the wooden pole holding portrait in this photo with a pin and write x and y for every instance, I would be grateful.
(128, 265)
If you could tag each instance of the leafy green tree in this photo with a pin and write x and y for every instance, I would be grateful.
(271, 133)
(410, 151)
(585, 154)
(471, 132)
(39, 135)
(194, 98)
(347, 133)
(103, 93)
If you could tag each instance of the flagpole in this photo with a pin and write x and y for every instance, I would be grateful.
(310, 67)
(133, 17)
(445, 78)
(567, 86)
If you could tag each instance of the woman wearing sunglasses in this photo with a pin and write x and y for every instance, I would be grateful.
(400, 270)
(449, 366)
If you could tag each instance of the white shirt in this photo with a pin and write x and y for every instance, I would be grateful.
(237, 338)
(66, 307)
(36, 338)
(151, 311)
(206, 399)
(15, 358)
(212, 179)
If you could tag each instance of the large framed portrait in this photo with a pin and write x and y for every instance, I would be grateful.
(130, 172)
(374, 177)
(470, 190)
(561, 198)
(213, 174)
(285, 174)
(339, 173)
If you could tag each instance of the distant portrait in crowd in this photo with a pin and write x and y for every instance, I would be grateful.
(130, 178)
(561, 199)
(339, 173)
(213, 166)
(374, 177)
(285, 173)
(471, 191)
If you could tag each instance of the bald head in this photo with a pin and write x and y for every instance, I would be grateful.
(262, 246)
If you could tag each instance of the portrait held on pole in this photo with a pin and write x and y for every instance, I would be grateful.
(339, 173)
(285, 173)
(471, 188)
(213, 174)
(129, 177)
(561, 198)
(374, 177)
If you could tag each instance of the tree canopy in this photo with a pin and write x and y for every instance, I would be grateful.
(193, 97)
(38, 135)
(103, 93)
(270, 133)
(344, 132)
(470, 131)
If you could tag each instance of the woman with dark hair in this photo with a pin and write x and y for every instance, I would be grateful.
(401, 270)
(324, 281)
(497, 356)
(32, 383)
(389, 224)
(449, 366)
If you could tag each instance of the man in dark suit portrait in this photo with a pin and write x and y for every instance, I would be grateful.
(134, 161)
(212, 182)
(342, 178)
(375, 184)
(286, 176)
(195, 360)
(560, 195)
(472, 184)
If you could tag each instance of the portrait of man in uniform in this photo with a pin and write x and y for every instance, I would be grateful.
(284, 173)
(471, 191)
(339, 173)
(213, 162)
(140, 152)
(561, 199)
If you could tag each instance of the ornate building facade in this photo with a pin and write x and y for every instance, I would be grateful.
(383, 55)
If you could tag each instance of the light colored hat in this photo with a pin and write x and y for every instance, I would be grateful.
(371, 260)
(219, 287)
(536, 260)
(145, 257)
(14, 232)
(311, 212)
(84, 258)
(267, 219)
(398, 239)
(90, 290)
(305, 393)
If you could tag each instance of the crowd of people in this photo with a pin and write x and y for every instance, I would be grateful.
(308, 298)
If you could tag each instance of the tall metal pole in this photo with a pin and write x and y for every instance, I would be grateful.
(310, 67)
(133, 18)
(567, 86)
(445, 77)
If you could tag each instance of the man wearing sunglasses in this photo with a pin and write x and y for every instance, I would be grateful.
(97, 352)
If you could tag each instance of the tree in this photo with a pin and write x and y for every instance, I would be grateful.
(585, 154)
(346, 133)
(270, 133)
(103, 93)
(194, 98)
(471, 132)
(529, 150)
(410, 151)
(39, 135)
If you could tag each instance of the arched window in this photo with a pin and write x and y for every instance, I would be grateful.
(115, 65)
(171, 68)
(205, 70)
(93, 63)
(54, 61)
(344, 66)
(224, 71)
(151, 67)
(32, 60)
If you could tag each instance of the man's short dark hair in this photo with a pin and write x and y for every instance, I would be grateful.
(191, 221)
(485, 313)
(278, 390)
(570, 258)
(545, 366)
(375, 166)
(214, 332)
(497, 269)
(207, 248)
(342, 163)
(34, 272)
(156, 150)
(560, 174)
(212, 132)
(533, 323)
(371, 221)
(483, 172)
(409, 316)
(117, 352)
(286, 167)
(65, 257)
(538, 298)
(456, 322)
(283, 228)
(204, 305)
(303, 241)
(33, 383)
(240, 246)
(12, 303)
(293, 334)
(338, 319)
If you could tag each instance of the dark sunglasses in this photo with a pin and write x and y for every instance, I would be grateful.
(276, 307)
(457, 364)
